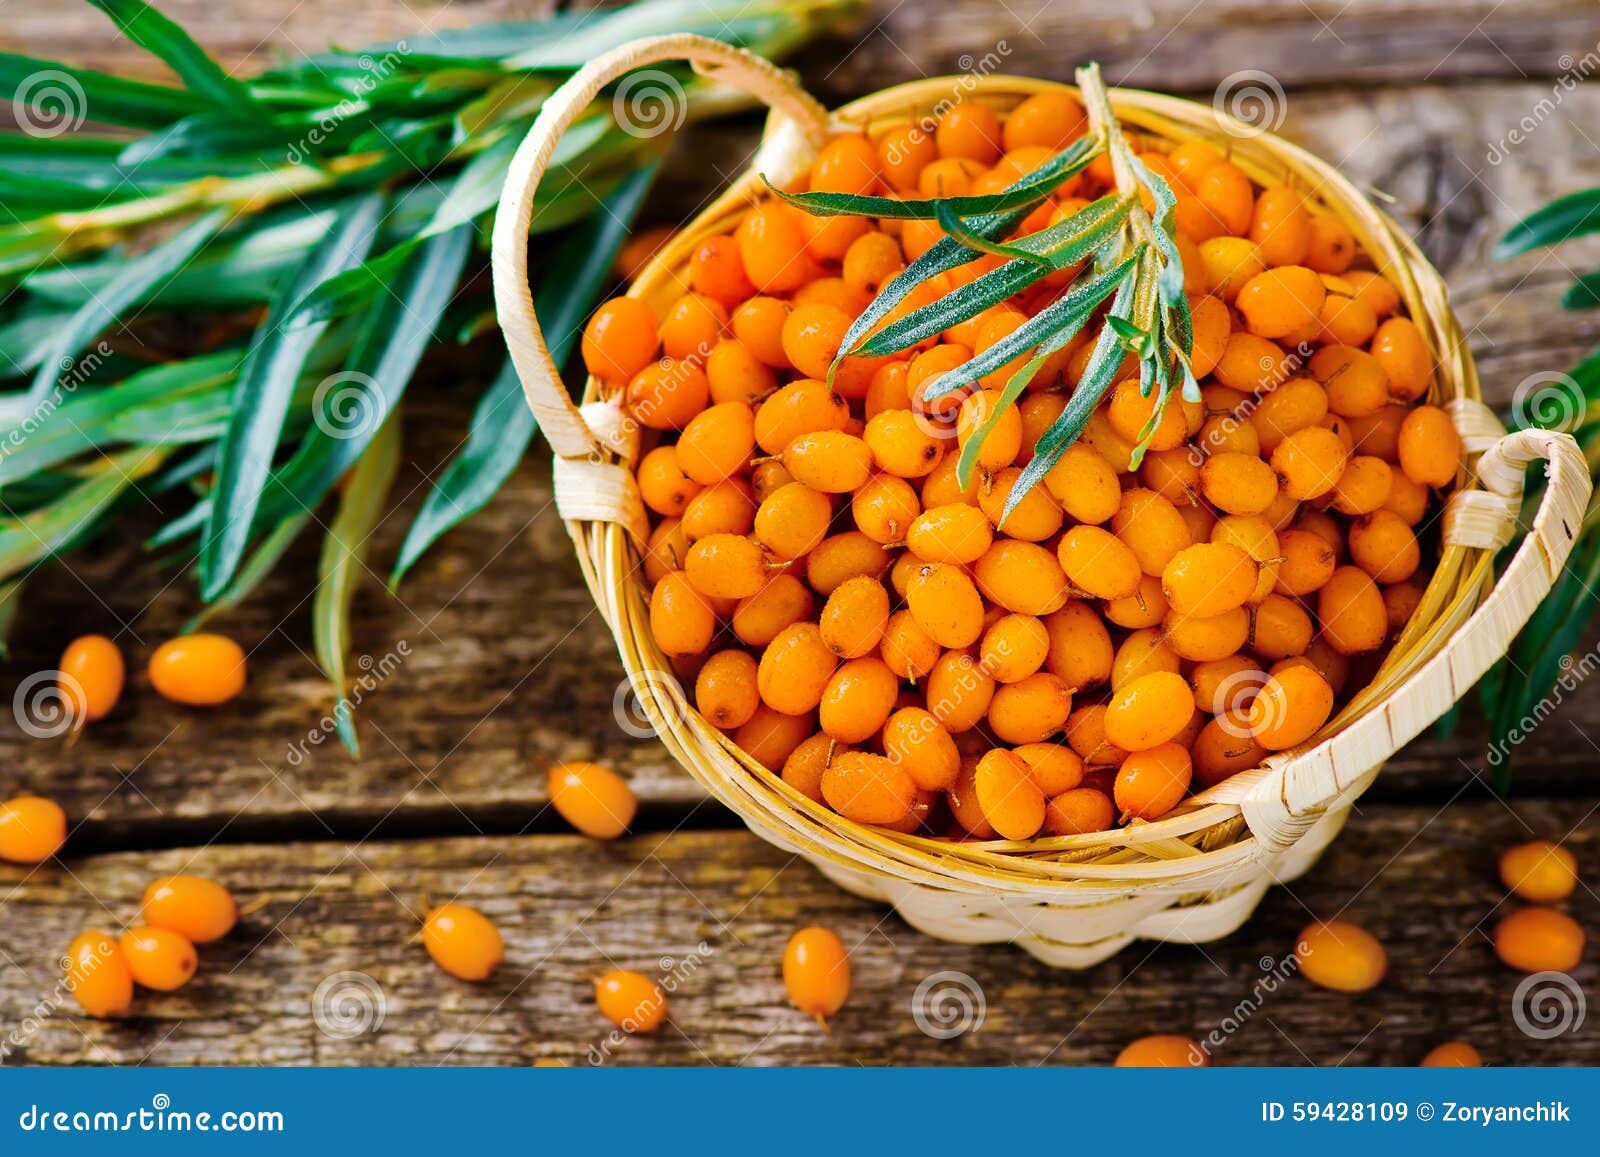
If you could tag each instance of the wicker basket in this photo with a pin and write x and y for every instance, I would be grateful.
(1196, 874)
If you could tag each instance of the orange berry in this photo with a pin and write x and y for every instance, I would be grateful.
(1085, 484)
(198, 909)
(1280, 301)
(1346, 320)
(681, 619)
(854, 618)
(725, 690)
(594, 799)
(1238, 483)
(843, 556)
(959, 691)
(1151, 527)
(1351, 613)
(868, 789)
(857, 700)
(908, 650)
(1030, 710)
(903, 153)
(771, 736)
(32, 829)
(1399, 347)
(717, 442)
(1342, 956)
(1078, 812)
(1152, 782)
(663, 485)
(1219, 752)
(717, 271)
(462, 941)
(1208, 579)
(1080, 646)
(816, 972)
(159, 959)
(692, 325)
(620, 339)
(793, 520)
(803, 769)
(758, 619)
(1099, 563)
(1280, 226)
(667, 394)
(795, 668)
(1539, 940)
(632, 1002)
(1250, 364)
(1014, 647)
(916, 741)
(1007, 796)
(954, 533)
(1289, 708)
(946, 605)
(829, 460)
(1363, 486)
(847, 164)
(801, 407)
(728, 507)
(92, 674)
(1455, 1054)
(1374, 289)
(1429, 447)
(758, 324)
(1192, 158)
(772, 246)
(1021, 576)
(1212, 637)
(1310, 462)
(199, 670)
(1163, 1052)
(1051, 120)
(1000, 447)
(1384, 546)
(971, 131)
(1224, 203)
(98, 975)
(726, 566)
(1148, 711)
(811, 338)
(1539, 871)
(1330, 246)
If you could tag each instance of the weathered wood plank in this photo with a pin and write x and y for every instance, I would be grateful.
(1164, 43)
(569, 908)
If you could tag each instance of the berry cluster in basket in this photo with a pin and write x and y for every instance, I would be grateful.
(909, 654)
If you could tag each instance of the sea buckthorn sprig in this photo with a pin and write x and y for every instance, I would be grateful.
(965, 547)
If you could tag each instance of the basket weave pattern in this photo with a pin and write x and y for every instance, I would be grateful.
(1196, 874)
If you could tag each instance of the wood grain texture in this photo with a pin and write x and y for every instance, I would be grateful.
(570, 908)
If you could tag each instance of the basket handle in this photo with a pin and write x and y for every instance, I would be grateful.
(1300, 786)
(564, 426)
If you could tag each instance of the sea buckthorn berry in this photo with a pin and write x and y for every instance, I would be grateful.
(1146, 607)
(1330, 245)
(667, 394)
(463, 941)
(844, 556)
(663, 485)
(1229, 263)
(793, 520)
(1148, 711)
(884, 508)
(728, 507)
(1141, 653)
(908, 650)
(1254, 535)
(725, 690)
(1289, 708)
(963, 800)
(1295, 405)
(857, 700)
(158, 958)
(199, 670)
(1399, 347)
(197, 909)
(1007, 796)
(1003, 441)
(903, 153)
(1354, 380)
(1382, 545)
(1153, 781)
(901, 445)
(594, 799)
(1310, 462)
(948, 177)
(1052, 120)
(1340, 955)
(959, 691)
(1238, 483)
(1429, 447)
(1211, 637)
(1211, 326)
(1407, 499)
(1363, 486)
(795, 669)
(726, 566)
(1346, 320)
(1280, 226)
(1251, 364)
(717, 271)
(915, 740)
(1030, 710)
(868, 789)
(803, 769)
(717, 442)
(98, 975)
(946, 604)
(1085, 484)
(1224, 202)
(1151, 528)
(772, 246)
(1077, 812)
(1350, 612)
(854, 618)
(1053, 767)
(632, 1002)
(829, 460)
(1374, 289)
(811, 337)
(954, 532)
(872, 260)
(1163, 1052)
(1021, 576)
(1086, 734)
(1539, 940)
(1280, 301)
(692, 326)
(1099, 563)
(847, 164)
(1226, 684)
(32, 829)
(1080, 646)
(681, 620)
(1132, 414)
(1036, 515)
(1220, 751)
(801, 407)
(620, 339)
(771, 736)
(1014, 647)
(1280, 628)
(816, 973)
(943, 486)
(1539, 871)
(758, 619)
(92, 674)
(1400, 602)
(1191, 159)
(1454, 1054)
(1175, 474)
(1207, 579)
(758, 325)
(969, 130)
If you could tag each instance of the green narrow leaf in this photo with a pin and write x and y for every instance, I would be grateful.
(256, 568)
(1584, 293)
(1571, 216)
(344, 553)
(156, 34)
(57, 362)
(953, 226)
(108, 99)
(261, 397)
(502, 425)
(54, 528)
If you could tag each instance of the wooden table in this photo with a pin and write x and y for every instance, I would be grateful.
(506, 667)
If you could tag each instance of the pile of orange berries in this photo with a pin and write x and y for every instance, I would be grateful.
(853, 615)
(159, 953)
